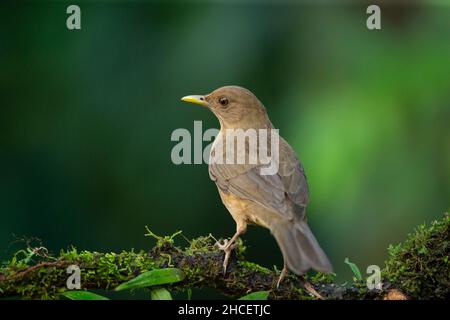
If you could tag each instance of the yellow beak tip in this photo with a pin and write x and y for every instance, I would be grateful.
(196, 99)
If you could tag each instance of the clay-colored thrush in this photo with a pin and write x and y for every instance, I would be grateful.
(276, 201)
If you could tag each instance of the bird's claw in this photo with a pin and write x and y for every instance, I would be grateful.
(227, 247)
(222, 246)
(312, 291)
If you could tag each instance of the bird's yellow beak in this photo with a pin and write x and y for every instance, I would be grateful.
(195, 99)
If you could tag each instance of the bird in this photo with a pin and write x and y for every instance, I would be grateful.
(275, 201)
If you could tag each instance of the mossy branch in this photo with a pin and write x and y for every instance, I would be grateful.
(417, 269)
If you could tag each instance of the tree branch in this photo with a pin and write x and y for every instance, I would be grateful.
(42, 276)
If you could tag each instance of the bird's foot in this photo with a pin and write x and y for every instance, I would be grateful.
(227, 247)
(222, 246)
(308, 286)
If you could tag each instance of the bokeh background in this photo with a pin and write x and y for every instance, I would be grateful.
(86, 118)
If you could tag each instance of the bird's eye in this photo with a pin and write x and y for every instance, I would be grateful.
(223, 101)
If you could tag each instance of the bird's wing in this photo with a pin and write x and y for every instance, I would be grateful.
(293, 175)
(285, 192)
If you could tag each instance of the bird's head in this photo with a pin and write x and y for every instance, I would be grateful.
(234, 106)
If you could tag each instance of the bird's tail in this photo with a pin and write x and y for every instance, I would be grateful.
(300, 249)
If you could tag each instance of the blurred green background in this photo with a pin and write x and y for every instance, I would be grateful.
(86, 118)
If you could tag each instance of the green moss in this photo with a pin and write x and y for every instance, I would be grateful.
(420, 265)
(164, 244)
(322, 278)
(201, 245)
(253, 267)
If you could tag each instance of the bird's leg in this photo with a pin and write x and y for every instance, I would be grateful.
(308, 286)
(228, 246)
(283, 274)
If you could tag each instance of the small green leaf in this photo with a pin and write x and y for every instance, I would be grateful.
(160, 294)
(355, 269)
(153, 278)
(423, 250)
(82, 295)
(259, 295)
